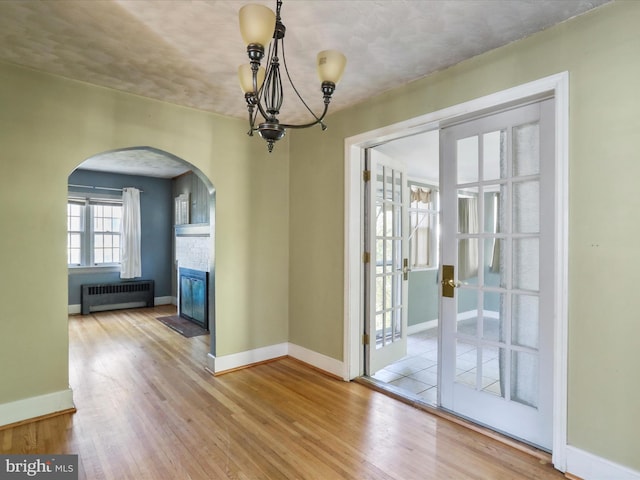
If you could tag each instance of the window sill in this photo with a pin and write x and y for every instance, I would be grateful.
(94, 269)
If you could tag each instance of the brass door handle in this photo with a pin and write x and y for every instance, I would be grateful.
(448, 282)
(405, 269)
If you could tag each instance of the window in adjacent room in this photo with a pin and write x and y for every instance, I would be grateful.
(423, 226)
(93, 231)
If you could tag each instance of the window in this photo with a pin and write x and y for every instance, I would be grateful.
(423, 226)
(93, 231)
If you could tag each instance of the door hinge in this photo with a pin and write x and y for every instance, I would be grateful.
(366, 257)
(366, 175)
(365, 339)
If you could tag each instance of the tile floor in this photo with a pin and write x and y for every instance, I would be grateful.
(417, 373)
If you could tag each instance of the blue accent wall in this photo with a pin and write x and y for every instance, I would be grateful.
(156, 219)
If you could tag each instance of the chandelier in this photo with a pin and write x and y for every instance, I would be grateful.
(262, 88)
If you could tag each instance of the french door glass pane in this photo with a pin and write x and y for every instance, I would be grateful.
(492, 317)
(397, 186)
(466, 363)
(468, 214)
(526, 207)
(468, 260)
(526, 150)
(491, 371)
(493, 154)
(379, 220)
(467, 155)
(467, 320)
(524, 321)
(494, 272)
(526, 265)
(524, 378)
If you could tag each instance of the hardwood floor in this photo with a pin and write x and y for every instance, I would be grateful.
(147, 409)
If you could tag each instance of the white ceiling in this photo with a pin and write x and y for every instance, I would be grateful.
(187, 52)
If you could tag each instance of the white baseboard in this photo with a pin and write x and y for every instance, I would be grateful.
(592, 467)
(263, 354)
(318, 360)
(169, 300)
(421, 327)
(75, 309)
(34, 407)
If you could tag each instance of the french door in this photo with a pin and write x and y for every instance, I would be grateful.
(497, 187)
(386, 272)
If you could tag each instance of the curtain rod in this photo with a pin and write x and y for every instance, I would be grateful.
(99, 188)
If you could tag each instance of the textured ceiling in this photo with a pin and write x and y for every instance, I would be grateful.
(187, 52)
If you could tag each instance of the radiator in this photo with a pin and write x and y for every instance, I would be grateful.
(117, 293)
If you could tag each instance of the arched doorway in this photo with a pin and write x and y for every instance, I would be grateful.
(162, 178)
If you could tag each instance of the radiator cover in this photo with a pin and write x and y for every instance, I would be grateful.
(115, 293)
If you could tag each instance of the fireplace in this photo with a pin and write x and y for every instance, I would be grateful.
(193, 296)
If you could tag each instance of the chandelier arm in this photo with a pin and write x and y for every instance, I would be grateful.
(311, 124)
(286, 69)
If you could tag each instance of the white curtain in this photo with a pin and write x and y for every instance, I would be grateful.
(420, 226)
(130, 261)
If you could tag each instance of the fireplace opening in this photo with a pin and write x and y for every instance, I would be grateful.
(193, 296)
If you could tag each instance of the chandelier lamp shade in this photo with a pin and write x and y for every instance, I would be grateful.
(263, 31)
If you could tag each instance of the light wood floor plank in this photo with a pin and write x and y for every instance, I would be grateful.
(148, 409)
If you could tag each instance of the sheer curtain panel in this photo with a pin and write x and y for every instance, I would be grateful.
(131, 263)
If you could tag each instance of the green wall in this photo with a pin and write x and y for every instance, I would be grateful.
(48, 126)
(280, 218)
(600, 50)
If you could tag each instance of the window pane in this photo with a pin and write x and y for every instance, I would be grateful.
(106, 237)
(467, 213)
(493, 149)
(526, 263)
(467, 154)
(524, 378)
(467, 316)
(526, 207)
(492, 381)
(492, 318)
(526, 155)
(524, 321)
(466, 364)
(74, 240)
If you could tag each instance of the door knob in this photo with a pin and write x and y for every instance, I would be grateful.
(452, 283)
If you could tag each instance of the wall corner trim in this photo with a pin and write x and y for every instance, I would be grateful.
(592, 467)
(33, 407)
(244, 359)
(217, 365)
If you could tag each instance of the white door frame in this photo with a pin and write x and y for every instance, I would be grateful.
(555, 85)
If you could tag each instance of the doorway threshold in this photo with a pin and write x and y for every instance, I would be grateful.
(419, 403)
